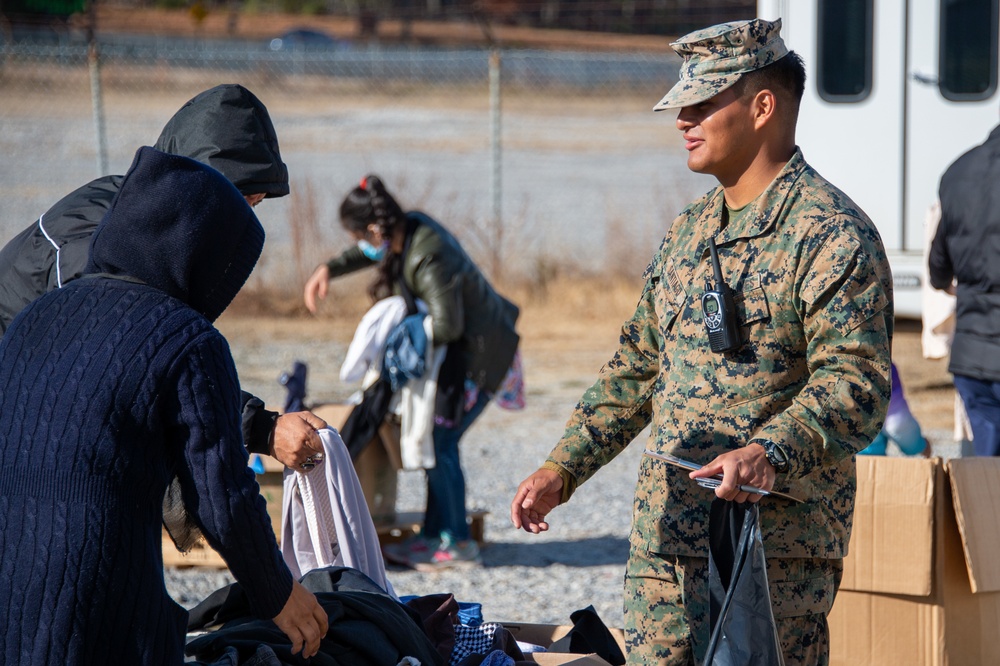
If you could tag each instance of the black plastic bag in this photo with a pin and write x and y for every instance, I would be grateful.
(362, 424)
(743, 628)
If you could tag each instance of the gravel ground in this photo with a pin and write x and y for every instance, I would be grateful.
(526, 578)
(627, 175)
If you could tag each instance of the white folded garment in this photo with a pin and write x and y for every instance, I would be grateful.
(325, 520)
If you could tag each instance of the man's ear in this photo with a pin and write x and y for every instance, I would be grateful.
(764, 108)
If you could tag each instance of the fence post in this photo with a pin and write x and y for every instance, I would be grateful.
(96, 96)
(496, 188)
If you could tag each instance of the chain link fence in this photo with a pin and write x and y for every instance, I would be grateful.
(558, 166)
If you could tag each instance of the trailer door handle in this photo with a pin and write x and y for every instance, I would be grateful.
(926, 79)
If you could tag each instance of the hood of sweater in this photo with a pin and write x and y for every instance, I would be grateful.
(181, 227)
(229, 129)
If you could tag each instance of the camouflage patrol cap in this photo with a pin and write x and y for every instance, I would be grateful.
(715, 58)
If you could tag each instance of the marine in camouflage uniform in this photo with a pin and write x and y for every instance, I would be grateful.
(813, 294)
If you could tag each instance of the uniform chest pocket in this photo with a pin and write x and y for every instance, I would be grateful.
(752, 309)
(760, 367)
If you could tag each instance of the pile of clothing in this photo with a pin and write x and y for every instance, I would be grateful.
(369, 627)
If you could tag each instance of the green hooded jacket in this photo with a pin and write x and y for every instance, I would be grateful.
(463, 306)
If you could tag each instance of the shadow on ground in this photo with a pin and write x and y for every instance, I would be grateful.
(590, 552)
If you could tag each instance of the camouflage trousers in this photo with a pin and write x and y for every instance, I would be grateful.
(667, 608)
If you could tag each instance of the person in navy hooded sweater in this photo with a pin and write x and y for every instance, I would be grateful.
(109, 388)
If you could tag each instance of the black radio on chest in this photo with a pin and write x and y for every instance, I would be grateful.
(719, 310)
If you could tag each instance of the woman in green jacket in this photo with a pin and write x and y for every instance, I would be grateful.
(411, 249)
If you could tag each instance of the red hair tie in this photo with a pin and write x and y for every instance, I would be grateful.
(364, 183)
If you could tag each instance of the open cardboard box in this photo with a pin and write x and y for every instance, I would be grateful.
(201, 554)
(377, 465)
(922, 578)
(546, 634)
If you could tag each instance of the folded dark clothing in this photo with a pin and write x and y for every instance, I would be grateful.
(438, 616)
(367, 626)
(590, 635)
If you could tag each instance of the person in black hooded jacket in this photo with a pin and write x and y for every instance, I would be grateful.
(225, 127)
(963, 261)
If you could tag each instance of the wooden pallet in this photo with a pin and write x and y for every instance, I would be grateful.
(409, 523)
(201, 555)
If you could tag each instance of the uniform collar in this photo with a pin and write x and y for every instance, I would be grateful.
(765, 208)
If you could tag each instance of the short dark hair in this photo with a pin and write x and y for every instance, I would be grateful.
(788, 75)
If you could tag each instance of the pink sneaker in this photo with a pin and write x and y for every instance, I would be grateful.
(450, 554)
(411, 550)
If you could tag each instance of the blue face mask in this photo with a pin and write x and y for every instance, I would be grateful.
(372, 252)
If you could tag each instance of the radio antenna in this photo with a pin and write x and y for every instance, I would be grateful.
(715, 263)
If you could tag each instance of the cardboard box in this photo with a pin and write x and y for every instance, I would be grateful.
(271, 484)
(377, 465)
(922, 578)
(546, 634)
(378, 468)
(201, 554)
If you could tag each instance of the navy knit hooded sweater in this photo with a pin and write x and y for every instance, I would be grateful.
(109, 388)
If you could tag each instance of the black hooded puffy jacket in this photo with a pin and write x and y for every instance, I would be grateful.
(225, 127)
(965, 249)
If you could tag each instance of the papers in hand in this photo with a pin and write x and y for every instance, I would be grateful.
(714, 482)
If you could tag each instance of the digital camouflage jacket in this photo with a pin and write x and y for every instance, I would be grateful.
(813, 294)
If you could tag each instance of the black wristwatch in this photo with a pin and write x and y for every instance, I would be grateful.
(774, 454)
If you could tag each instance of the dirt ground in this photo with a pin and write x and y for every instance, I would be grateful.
(926, 382)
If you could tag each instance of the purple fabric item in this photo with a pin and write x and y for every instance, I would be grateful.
(900, 426)
(897, 402)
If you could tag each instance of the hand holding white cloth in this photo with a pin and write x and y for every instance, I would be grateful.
(325, 520)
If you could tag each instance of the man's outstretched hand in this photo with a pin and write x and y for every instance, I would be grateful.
(536, 497)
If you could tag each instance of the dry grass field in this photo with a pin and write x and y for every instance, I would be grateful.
(249, 24)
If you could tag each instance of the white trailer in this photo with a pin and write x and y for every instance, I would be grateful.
(896, 90)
